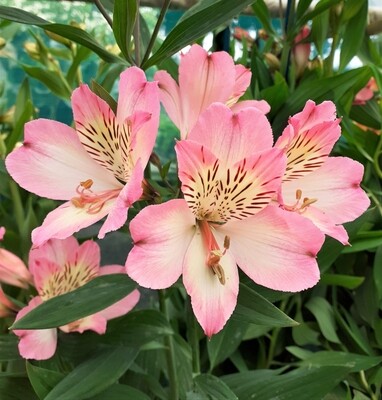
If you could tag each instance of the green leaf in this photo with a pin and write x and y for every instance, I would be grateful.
(104, 94)
(94, 375)
(347, 281)
(43, 380)
(320, 7)
(377, 272)
(213, 388)
(196, 25)
(355, 362)
(353, 35)
(223, 344)
(261, 11)
(324, 315)
(124, 17)
(137, 328)
(79, 303)
(319, 90)
(8, 347)
(365, 241)
(16, 389)
(301, 384)
(254, 308)
(319, 32)
(70, 32)
(82, 54)
(118, 392)
(51, 79)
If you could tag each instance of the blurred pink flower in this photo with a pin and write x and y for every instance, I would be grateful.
(229, 173)
(324, 189)
(204, 79)
(7, 307)
(12, 269)
(301, 51)
(97, 168)
(366, 93)
(59, 267)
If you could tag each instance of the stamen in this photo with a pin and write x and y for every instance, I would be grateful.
(299, 206)
(214, 253)
(93, 201)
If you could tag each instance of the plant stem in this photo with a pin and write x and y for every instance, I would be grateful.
(154, 35)
(104, 12)
(170, 355)
(137, 44)
(194, 340)
(377, 155)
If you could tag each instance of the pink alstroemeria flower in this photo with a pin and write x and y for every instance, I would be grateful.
(7, 307)
(324, 189)
(229, 173)
(12, 269)
(204, 79)
(97, 168)
(59, 267)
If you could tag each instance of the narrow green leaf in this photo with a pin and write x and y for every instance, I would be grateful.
(324, 315)
(319, 32)
(118, 392)
(70, 32)
(94, 375)
(43, 380)
(124, 17)
(320, 7)
(195, 26)
(353, 36)
(365, 241)
(254, 308)
(261, 11)
(16, 389)
(319, 90)
(8, 348)
(223, 344)
(51, 80)
(79, 303)
(302, 7)
(213, 388)
(347, 281)
(355, 362)
(377, 272)
(81, 55)
(104, 94)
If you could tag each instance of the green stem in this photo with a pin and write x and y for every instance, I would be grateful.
(377, 155)
(17, 206)
(154, 35)
(194, 341)
(104, 12)
(137, 44)
(170, 354)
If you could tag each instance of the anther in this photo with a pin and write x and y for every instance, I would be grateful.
(87, 184)
(219, 272)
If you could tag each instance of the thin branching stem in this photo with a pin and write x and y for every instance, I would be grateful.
(102, 10)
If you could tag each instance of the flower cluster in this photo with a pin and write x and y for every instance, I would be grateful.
(245, 201)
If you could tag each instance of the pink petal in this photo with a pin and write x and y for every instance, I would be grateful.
(170, 97)
(203, 80)
(88, 255)
(6, 305)
(13, 270)
(98, 130)
(52, 162)
(276, 249)
(95, 322)
(39, 344)
(136, 94)
(55, 251)
(307, 150)
(161, 235)
(2, 232)
(242, 81)
(123, 306)
(219, 193)
(129, 194)
(66, 220)
(260, 105)
(232, 137)
(212, 301)
(336, 186)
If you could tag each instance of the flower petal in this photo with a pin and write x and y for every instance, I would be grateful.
(212, 301)
(66, 220)
(96, 323)
(13, 270)
(276, 249)
(161, 235)
(136, 94)
(52, 162)
(232, 136)
(203, 80)
(335, 186)
(129, 194)
(260, 105)
(39, 344)
(170, 97)
(242, 80)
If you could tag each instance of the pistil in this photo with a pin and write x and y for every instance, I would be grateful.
(300, 206)
(214, 251)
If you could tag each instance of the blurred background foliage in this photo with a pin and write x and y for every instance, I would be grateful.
(324, 343)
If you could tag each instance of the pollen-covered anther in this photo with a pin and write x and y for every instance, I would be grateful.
(299, 206)
(219, 272)
(93, 202)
